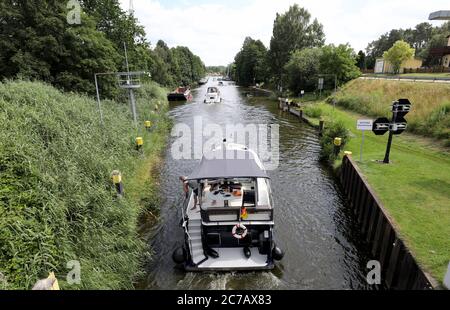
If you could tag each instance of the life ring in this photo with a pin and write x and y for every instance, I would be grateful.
(242, 233)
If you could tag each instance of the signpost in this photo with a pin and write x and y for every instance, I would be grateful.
(364, 125)
(321, 83)
(395, 127)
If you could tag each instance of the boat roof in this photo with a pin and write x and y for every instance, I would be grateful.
(229, 164)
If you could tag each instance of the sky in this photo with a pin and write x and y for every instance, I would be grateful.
(215, 30)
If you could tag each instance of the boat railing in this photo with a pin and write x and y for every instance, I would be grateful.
(233, 214)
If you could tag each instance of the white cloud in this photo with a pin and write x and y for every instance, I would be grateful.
(215, 31)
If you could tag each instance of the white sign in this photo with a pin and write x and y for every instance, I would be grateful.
(365, 124)
(321, 82)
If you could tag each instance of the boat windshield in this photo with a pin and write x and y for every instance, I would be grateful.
(235, 193)
(212, 90)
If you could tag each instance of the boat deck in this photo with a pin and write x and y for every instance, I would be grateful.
(234, 258)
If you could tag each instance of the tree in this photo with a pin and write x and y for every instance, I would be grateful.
(397, 54)
(37, 43)
(340, 61)
(302, 69)
(251, 63)
(361, 60)
(292, 31)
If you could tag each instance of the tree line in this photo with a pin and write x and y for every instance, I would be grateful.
(38, 43)
(422, 38)
(297, 56)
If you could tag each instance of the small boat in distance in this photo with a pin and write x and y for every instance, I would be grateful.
(203, 81)
(213, 95)
(180, 94)
(233, 227)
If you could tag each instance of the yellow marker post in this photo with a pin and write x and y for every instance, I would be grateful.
(139, 143)
(116, 177)
(148, 125)
(338, 142)
(348, 153)
(337, 146)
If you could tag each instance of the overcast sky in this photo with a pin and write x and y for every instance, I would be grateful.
(215, 30)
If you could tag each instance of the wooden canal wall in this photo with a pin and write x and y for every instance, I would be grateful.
(400, 270)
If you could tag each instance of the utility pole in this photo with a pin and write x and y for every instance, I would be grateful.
(130, 88)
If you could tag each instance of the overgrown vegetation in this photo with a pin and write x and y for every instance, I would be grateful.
(57, 203)
(430, 114)
(334, 129)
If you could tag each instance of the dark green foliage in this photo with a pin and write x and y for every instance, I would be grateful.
(57, 203)
(303, 69)
(340, 61)
(332, 131)
(292, 31)
(37, 43)
(251, 63)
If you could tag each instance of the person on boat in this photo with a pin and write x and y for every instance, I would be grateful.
(194, 186)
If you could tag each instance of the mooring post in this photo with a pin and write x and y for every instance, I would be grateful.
(321, 127)
(301, 115)
(117, 180)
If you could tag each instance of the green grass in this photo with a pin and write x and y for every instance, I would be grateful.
(415, 188)
(57, 202)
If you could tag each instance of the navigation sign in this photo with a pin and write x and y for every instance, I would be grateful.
(397, 126)
(364, 125)
(381, 126)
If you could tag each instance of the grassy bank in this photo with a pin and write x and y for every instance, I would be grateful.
(430, 114)
(415, 189)
(57, 203)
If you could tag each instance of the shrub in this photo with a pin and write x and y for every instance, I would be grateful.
(313, 111)
(334, 130)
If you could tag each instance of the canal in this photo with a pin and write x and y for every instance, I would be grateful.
(313, 223)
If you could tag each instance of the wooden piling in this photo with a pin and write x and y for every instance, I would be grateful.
(321, 127)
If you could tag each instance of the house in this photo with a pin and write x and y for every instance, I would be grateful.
(384, 66)
(443, 53)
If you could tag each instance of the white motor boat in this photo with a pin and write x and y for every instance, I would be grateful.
(232, 229)
(213, 95)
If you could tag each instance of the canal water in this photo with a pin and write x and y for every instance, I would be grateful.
(313, 223)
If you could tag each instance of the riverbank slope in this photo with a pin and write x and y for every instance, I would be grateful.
(57, 201)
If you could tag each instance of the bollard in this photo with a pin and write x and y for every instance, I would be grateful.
(321, 127)
(337, 146)
(148, 125)
(116, 177)
(301, 115)
(139, 143)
